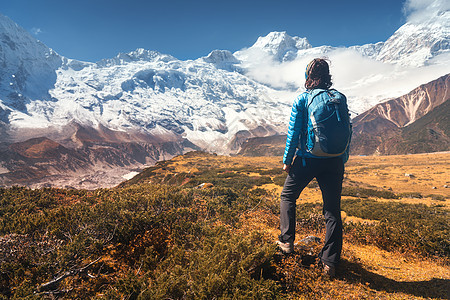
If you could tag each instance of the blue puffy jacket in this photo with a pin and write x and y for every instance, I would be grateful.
(297, 124)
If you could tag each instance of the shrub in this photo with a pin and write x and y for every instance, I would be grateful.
(280, 179)
(403, 227)
(365, 193)
(436, 197)
(153, 240)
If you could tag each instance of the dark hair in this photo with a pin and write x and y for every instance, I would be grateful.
(318, 75)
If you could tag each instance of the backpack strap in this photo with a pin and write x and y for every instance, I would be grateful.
(336, 103)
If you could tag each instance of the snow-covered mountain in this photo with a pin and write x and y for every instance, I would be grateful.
(27, 66)
(414, 44)
(214, 103)
(223, 59)
(156, 104)
(278, 45)
(205, 101)
(160, 95)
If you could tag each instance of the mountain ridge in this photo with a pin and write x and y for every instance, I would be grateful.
(415, 43)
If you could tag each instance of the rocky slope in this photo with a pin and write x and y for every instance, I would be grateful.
(407, 123)
(97, 162)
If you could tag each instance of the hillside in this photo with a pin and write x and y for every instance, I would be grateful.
(101, 158)
(431, 133)
(414, 123)
(203, 226)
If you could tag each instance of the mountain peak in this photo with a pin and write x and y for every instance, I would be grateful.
(139, 54)
(28, 66)
(281, 45)
(221, 56)
(222, 59)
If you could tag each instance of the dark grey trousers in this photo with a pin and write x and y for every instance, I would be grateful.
(329, 173)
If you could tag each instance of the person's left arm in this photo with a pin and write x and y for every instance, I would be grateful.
(295, 128)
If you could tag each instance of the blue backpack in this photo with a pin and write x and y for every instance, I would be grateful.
(328, 129)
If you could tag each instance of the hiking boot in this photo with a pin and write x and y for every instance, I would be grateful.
(286, 248)
(329, 271)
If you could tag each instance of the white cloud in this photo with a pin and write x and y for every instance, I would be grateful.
(364, 81)
(36, 31)
(367, 82)
(418, 11)
(263, 68)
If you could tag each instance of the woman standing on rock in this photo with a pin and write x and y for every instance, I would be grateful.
(319, 137)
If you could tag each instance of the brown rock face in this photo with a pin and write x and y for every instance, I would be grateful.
(400, 121)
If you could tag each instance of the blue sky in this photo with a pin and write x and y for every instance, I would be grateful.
(90, 30)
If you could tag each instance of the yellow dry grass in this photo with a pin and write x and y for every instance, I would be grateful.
(184, 163)
(430, 172)
(347, 218)
(396, 266)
